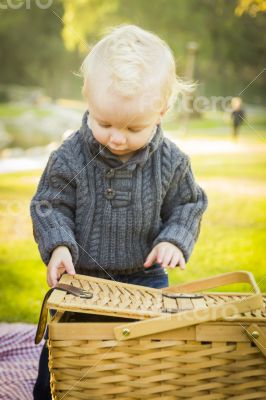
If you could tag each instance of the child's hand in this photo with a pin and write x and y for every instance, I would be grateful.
(167, 254)
(60, 262)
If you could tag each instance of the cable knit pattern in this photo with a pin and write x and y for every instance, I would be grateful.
(111, 214)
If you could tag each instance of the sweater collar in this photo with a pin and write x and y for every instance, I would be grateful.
(103, 154)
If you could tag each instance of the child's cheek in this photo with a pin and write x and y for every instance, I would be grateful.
(104, 135)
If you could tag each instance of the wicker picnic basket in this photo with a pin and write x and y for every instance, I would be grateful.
(110, 340)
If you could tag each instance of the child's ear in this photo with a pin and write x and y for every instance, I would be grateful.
(160, 117)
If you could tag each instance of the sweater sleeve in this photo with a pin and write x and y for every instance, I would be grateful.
(52, 209)
(182, 210)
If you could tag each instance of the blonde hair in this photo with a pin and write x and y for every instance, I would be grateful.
(236, 103)
(130, 54)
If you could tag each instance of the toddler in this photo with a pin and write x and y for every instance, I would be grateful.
(117, 199)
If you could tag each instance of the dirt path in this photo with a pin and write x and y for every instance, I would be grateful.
(218, 146)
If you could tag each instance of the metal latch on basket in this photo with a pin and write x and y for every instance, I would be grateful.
(79, 292)
(179, 296)
(183, 295)
(256, 335)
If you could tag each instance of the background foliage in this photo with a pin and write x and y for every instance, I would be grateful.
(44, 47)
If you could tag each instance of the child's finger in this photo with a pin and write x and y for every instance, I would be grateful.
(70, 269)
(52, 276)
(175, 260)
(48, 280)
(167, 257)
(161, 252)
(151, 257)
(182, 262)
(60, 272)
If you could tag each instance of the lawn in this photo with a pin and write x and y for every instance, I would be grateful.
(233, 233)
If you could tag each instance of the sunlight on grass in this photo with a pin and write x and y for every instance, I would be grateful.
(10, 110)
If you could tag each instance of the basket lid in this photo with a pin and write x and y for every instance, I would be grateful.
(109, 297)
(86, 294)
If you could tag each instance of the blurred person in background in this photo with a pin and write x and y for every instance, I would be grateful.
(237, 115)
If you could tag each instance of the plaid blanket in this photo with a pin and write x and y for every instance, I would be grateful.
(19, 358)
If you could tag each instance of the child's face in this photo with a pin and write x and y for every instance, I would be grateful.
(120, 123)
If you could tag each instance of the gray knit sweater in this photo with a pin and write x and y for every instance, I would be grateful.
(110, 214)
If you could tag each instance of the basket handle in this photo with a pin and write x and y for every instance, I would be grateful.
(183, 319)
(215, 281)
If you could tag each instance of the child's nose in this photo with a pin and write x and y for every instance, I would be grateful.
(118, 138)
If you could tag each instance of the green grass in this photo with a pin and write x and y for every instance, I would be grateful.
(217, 125)
(233, 233)
(23, 275)
(231, 166)
(9, 110)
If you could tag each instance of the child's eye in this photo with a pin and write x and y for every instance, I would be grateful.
(134, 130)
(105, 125)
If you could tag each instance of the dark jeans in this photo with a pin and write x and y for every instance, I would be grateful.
(154, 277)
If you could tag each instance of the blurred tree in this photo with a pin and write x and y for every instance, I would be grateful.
(232, 49)
(84, 19)
(44, 46)
(251, 7)
(32, 50)
(236, 51)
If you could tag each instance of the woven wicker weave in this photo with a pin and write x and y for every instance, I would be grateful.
(140, 348)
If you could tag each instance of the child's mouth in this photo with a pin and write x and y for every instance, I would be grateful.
(115, 149)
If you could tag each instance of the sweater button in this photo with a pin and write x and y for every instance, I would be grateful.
(110, 173)
(110, 193)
